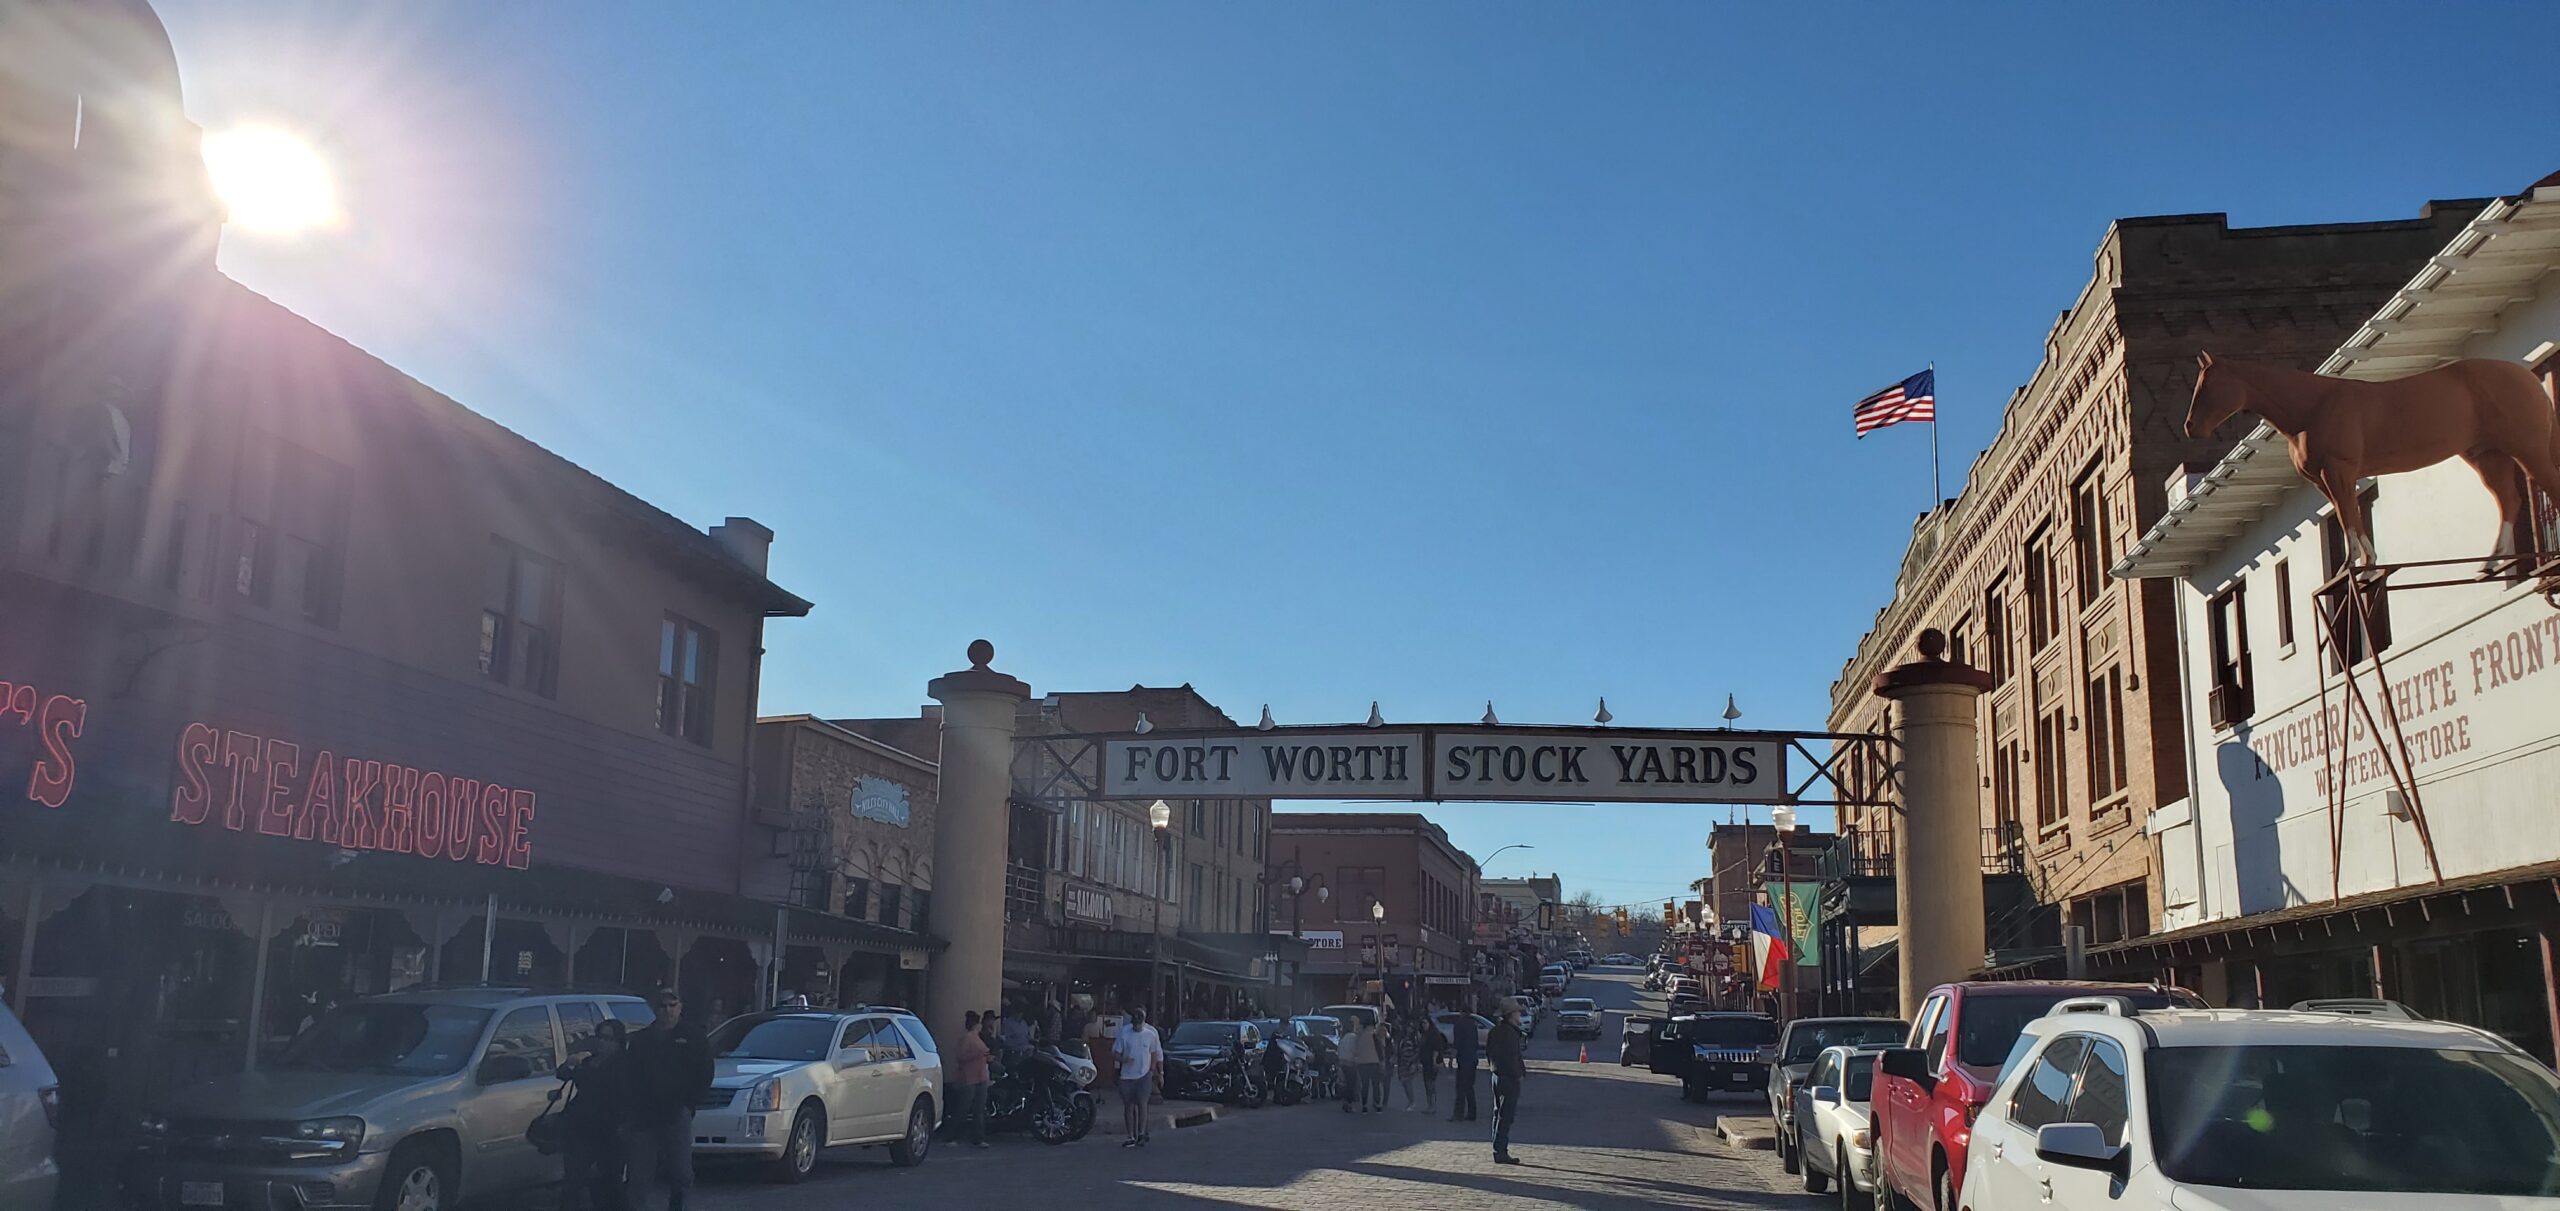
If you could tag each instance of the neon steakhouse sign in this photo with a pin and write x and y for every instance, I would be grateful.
(57, 719)
(246, 781)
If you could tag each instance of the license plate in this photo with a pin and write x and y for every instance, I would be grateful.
(200, 1194)
(1742, 1078)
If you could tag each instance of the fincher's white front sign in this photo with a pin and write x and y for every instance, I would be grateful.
(1451, 763)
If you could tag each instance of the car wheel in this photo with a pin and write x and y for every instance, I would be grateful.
(1790, 1158)
(910, 1148)
(799, 1156)
(419, 1178)
(1815, 1180)
(1851, 1198)
(1946, 1191)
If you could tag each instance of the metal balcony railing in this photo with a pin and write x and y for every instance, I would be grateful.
(1021, 893)
(1868, 853)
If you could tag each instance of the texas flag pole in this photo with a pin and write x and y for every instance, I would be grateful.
(1913, 399)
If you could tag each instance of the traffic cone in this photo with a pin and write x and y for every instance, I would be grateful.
(1586, 1053)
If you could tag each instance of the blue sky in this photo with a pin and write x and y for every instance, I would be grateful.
(1314, 353)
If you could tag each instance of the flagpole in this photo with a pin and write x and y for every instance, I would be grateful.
(1937, 495)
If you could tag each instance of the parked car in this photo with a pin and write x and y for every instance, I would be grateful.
(30, 1109)
(1635, 1040)
(1834, 1135)
(1929, 1090)
(790, 1083)
(1798, 1044)
(2109, 1104)
(1555, 979)
(417, 1099)
(1446, 1020)
(1367, 1015)
(1531, 1007)
(1620, 959)
(1577, 1018)
(1716, 1052)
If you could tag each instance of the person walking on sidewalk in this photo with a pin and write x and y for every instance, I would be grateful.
(1408, 1047)
(1509, 1069)
(1463, 1053)
(1141, 1056)
(1433, 1048)
(1381, 1055)
(591, 1122)
(969, 1101)
(669, 1069)
(1357, 1055)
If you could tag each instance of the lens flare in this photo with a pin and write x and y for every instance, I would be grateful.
(271, 181)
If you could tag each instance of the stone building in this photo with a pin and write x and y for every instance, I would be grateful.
(2080, 738)
(850, 821)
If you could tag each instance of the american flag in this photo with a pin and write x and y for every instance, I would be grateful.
(1914, 398)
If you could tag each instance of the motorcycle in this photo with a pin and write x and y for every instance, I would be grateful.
(1210, 1074)
(1296, 1080)
(1046, 1092)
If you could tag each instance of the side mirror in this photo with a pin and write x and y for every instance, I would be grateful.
(853, 1056)
(2079, 1146)
(1907, 1063)
(500, 1069)
(1827, 1095)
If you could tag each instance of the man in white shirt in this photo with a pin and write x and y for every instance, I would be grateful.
(1141, 1057)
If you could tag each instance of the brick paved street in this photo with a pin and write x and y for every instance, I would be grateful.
(1595, 1136)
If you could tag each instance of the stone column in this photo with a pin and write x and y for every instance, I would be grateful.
(1937, 855)
(969, 841)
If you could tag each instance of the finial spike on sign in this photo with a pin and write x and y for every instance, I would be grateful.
(1267, 722)
(1376, 719)
(1144, 727)
(1489, 720)
(1731, 711)
(1604, 716)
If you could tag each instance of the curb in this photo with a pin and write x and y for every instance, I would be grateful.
(1744, 1131)
(1201, 1117)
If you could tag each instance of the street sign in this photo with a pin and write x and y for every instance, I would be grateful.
(1492, 764)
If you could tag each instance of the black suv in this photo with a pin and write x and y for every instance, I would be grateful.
(1712, 1052)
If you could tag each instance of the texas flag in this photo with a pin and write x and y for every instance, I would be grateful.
(1768, 944)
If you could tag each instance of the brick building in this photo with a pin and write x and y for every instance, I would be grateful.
(342, 686)
(849, 822)
(2080, 739)
(1401, 910)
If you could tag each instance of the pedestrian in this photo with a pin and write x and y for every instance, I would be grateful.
(1463, 1050)
(1275, 1065)
(1508, 1071)
(1141, 1056)
(1015, 1032)
(1382, 1056)
(591, 1122)
(1408, 1058)
(1071, 1038)
(1434, 1047)
(1358, 1054)
(968, 1100)
(670, 1070)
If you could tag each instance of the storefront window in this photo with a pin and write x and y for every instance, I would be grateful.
(322, 956)
(134, 993)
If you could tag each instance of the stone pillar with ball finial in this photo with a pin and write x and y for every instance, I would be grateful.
(1937, 852)
(976, 788)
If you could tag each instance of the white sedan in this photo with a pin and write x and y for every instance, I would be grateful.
(789, 1083)
(1835, 1125)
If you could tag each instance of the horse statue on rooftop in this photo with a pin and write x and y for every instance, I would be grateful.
(2489, 413)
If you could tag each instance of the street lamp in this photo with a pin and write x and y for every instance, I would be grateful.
(1160, 817)
(1378, 914)
(1488, 858)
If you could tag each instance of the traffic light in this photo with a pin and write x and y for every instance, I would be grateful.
(1623, 931)
(1670, 913)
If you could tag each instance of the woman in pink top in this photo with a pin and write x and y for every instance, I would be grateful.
(969, 1102)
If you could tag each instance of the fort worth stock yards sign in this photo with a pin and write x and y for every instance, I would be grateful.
(1598, 765)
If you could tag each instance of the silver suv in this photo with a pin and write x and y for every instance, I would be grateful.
(417, 1100)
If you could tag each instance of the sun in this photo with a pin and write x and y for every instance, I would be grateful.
(272, 181)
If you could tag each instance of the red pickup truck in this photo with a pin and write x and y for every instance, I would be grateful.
(1928, 1092)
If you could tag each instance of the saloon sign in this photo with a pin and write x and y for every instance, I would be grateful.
(1600, 765)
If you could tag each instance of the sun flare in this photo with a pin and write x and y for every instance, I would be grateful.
(272, 181)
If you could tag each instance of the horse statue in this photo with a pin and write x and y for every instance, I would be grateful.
(2489, 413)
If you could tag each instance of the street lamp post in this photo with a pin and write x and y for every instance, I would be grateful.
(1160, 816)
(1378, 916)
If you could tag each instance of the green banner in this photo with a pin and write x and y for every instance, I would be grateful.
(1801, 905)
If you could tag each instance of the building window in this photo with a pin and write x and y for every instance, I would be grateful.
(2284, 605)
(2044, 613)
(1199, 818)
(1200, 888)
(293, 531)
(686, 655)
(2052, 786)
(2105, 721)
(857, 899)
(920, 914)
(2230, 700)
(2089, 545)
(809, 888)
(2355, 634)
(1958, 650)
(2004, 781)
(889, 904)
(519, 619)
(1995, 634)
